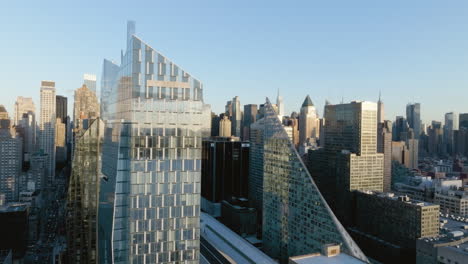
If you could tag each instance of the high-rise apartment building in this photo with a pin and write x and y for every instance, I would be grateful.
(86, 106)
(384, 145)
(149, 209)
(225, 127)
(307, 122)
(296, 218)
(83, 194)
(90, 81)
(23, 105)
(413, 116)
(10, 159)
(250, 116)
(236, 118)
(47, 127)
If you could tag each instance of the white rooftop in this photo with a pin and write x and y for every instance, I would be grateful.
(338, 259)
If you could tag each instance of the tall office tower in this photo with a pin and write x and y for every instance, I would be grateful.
(23, 105)
(47, 127)
(461, 141)
(86, 106)
(280, 104)
(61, 110)
(400, 129)
(307, 122)
(384, 145)
(110, 71)
(215, 124)
(225, 127)
(90, 81)
(256, 170)
(400, 153)
(380, 111)
(294, 124)
(413, 116)
(28, 125)
(434, 144)
(451, 124)
(463, 120)
(83, 193)
(224, 172)
(296, 218)
(10, 158)
(149, 207)
(228, 109)
(60, 141)
(349, 159)
(236, 119)
(250, 116)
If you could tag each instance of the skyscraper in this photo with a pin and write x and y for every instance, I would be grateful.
(400, 129)
(149, 208)
(384, 145)
(225, 127)
(90, 81)
(61, 108)
(236, 119)
(250, 116)
(23, 105)
(296, 218)
(451, 124)
(413, 116)
(86, 106)
(349, 159)
(110, 71)
(307, 122)
(380, 111)
(47, 127)
(60, 141)
(83, 192)
(463, 120)
(280, 104)
(10, 159)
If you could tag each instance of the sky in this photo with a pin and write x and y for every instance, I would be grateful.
(410, 51)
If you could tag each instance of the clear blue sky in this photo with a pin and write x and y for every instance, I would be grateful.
(410, 50)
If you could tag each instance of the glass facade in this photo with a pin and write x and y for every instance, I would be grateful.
(82, 203)
(296, 218)
(150, 195)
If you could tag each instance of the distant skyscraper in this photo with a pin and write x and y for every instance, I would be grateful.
(60, 141)
(228, 109)
(29, 127)
(38, 170)
(380, 111)
(250, 116)
(296, 218)
(280, 104)
(110, 71)
(307, 121)
(384, 145)
(451, 124)
(83, 191)
(434, 144)
(413, 116)
(61, 108)
(90, 81)
(23, 105)
(225, 127)
(149, 209)
(215, 124)
(400, 129)
(86, 106)
(47, 126)
(349, 159)
(463, 120)
(10, 159)
(236, 119)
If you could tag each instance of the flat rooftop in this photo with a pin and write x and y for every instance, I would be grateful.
(341, 258)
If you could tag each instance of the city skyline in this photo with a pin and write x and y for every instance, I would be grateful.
(414, 44)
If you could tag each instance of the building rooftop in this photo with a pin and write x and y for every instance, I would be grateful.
(13, 207)
(401, 198)
(330, 254)
(230, 243)
(307, 102)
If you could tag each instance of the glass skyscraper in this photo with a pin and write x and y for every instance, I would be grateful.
(296, 218)
(149, 209)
